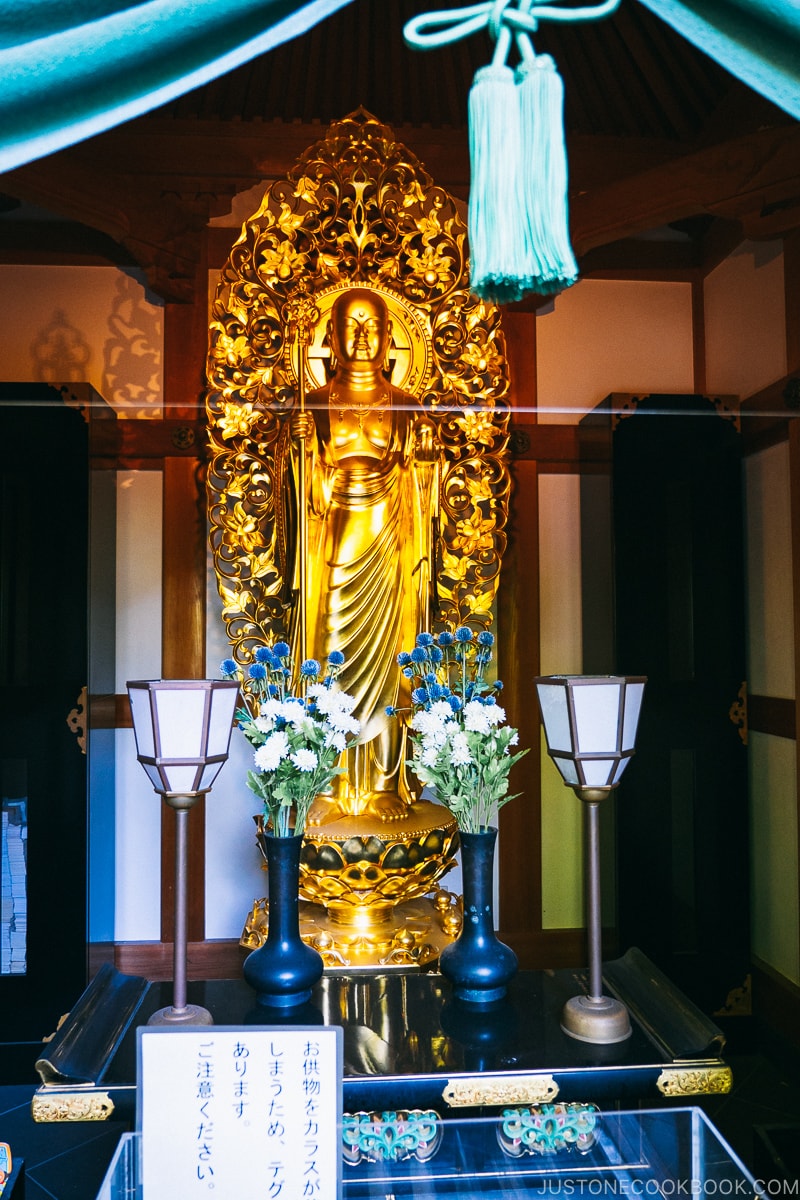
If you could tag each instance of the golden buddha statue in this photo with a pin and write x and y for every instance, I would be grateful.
(358, 489)
(370, 504)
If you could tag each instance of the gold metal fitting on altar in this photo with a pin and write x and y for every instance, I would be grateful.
(713, 1079)
(471, 1091)
(49, 1106)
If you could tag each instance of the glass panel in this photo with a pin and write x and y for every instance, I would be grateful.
(568, 770)
(553, 703)
(13, 868)
(142, 721)
(182, 780)
(223, 702)
(633, 703)
(596, 715)
(623, 764)
(597, 771)
(181, 722)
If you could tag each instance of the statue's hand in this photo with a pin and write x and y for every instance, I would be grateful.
(302, 427)
(425, 446)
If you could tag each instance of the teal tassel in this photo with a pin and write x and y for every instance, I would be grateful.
(544, 173)
(502, 266)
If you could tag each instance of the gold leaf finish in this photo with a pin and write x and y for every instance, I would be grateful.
(358, 209)
(496, 1089)
(695, 1081)
(50, 1106)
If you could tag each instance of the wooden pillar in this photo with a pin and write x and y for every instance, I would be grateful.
(520, 863)
(699, 335)
(791, 268)
(183, 630)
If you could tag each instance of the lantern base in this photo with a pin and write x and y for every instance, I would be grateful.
(596, 1019)
(192, 1014)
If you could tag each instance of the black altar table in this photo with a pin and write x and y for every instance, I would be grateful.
(408, 1044)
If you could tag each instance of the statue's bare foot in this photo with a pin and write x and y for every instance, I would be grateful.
(387, 806)
(325, 809)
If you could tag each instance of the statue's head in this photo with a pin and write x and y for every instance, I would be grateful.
(359, 329)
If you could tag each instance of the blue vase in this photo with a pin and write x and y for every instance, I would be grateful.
(284, 969)
(478, 964)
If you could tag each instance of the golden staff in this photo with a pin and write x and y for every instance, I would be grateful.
(301, 315)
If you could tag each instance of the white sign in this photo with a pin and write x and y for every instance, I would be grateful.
(245, 1113)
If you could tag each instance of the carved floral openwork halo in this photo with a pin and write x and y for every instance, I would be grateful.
(358, 210)
(410, 354)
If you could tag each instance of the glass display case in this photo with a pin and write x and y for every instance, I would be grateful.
(573, 1150)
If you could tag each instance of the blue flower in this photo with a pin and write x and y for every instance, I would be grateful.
(390, 710)
(263, 654)
(463, 634)
(309, 667)
(424, 639)
(257, 670)
(435, 654)
(274, 690)
(498, 685)
(420, 695)
(281, 649)
(485, 638)
(418, 655)
(228, 667)
(430, 677)
(336, 658)
(403, 658)
(445, 639)
(408, 672)
(437, 692)
(454, 702)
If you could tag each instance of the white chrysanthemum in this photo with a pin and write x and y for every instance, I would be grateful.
(430, 722)
(292, 710)
(268, 712)
(336, 739)
(475, 717)
(342, 722)
(460, 754)
(430, 752)
(304, 760)
(495, 715)
(514, 739)
(331, 699)
(307, 726)
(274, 750)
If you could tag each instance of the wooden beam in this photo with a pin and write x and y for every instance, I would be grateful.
(735, 180)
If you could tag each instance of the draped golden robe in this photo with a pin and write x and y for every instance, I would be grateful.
(372, 475)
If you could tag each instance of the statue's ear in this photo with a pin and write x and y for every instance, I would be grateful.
(328, 339)
(387, 362)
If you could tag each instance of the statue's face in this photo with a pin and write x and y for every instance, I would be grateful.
(360, 328)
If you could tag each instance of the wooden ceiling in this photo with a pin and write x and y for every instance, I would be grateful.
(660, 138)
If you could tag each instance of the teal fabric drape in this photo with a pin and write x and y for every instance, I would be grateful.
(756, 40)
(70, 69)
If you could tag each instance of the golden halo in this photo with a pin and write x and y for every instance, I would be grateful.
(411, 352)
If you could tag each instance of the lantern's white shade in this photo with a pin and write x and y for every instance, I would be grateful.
(590, 725)
(183, 730)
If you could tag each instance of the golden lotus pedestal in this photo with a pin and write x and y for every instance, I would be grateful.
(369, 892)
